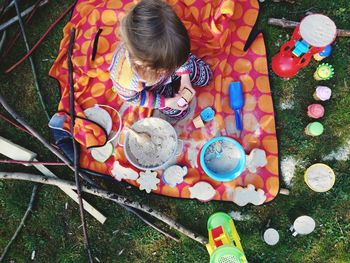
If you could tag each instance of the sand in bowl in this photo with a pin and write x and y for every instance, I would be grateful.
(161, 147)
(222, 157)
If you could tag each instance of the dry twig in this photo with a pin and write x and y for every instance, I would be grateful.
(107, 195)
(292, 24)
(21, 224)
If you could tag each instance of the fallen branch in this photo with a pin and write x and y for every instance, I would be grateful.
(75, 145)
(40, 138)
(36, 82)
(21, 224)
(41, 38)
(284, 23)
(34, 133)
(23, 14)
(107, 195)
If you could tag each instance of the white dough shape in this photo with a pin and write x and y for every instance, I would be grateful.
(174, 175)
(100, 116)
(202, 191)
(148, 181)
(102, 154)
(256, 159)
(120, 172)
(244, 196)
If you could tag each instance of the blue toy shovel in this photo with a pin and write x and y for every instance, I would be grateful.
(236, 102)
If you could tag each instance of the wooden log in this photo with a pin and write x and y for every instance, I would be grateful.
(107, 195)
(284, 23)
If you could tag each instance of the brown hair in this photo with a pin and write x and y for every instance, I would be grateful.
(155, 36)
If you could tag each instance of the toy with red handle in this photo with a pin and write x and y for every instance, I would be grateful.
(236, 101)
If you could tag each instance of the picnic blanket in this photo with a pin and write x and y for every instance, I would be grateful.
(218, 30)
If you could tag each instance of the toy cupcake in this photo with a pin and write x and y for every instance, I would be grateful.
(314, 129)
(315, 111)
(322, 93)
(324, 72)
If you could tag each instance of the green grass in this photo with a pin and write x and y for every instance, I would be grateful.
(54, 233)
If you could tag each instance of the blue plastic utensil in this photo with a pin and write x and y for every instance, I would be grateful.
(236, 101)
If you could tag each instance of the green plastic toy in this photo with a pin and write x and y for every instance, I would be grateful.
(224, 242)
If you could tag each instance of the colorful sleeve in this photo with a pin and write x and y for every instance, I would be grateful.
(184, 69)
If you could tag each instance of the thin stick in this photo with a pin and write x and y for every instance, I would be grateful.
(2, 41)
(284, 23)
(32, 162)
(14, 39)
(40, 138)
(107, 195)
(75, 146)
(24, 13)
(41, 38)
(21, 224)
(36, 83)
(131, 210)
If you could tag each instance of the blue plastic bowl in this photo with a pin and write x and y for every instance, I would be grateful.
(228, 176)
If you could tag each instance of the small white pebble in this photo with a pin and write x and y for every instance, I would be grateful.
(96, 258)
(154, 253)
(115, 231)
(66, 205)
(121, 252)
(33, 255)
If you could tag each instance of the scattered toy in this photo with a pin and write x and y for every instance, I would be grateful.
(319, 177)
(174, 175)
(206, 115)
(120, 172)
(186, 97)
(243, 196)
(148, 181)
(236, 102)
(102, 154)
(324, 72)
(303, 225)
(223, 159)
(322, 93)
(202, 191)
(224, 242)
(324, 53)
(310, 37)
(256, 159)
(315, 111)
(271, 236)
(314, 129)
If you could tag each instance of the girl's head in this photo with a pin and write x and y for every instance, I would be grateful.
(155, 36)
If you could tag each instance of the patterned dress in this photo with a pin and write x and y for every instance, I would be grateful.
(133, 89)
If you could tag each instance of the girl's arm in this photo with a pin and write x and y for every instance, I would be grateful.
(148, 99)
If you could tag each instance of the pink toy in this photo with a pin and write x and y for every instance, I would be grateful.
(315, 111)
(314, 33)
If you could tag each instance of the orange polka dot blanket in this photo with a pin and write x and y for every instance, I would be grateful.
(218, 30)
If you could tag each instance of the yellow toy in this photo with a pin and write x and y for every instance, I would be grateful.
(224, 242)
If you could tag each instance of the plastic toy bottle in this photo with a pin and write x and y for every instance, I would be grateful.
(323, 54)
(314, 129)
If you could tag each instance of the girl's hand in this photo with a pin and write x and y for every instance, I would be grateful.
(172, 103)
(186, 84)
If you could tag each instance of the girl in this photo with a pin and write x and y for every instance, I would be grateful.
(153, 66)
